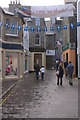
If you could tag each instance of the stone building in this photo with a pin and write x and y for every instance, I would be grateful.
(37, 45)
(11, 45)
(50, 37)
(70, 38)
(59, 38)
(36, 38)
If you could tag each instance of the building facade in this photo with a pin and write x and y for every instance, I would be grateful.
(37, 45)
(78, 36)
(70, 38)
(50, 38)
(26, 47)
(11, 46)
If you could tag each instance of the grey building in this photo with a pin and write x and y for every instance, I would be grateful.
(36, 38)
(37, 45)
(50, 37)
(11, 46)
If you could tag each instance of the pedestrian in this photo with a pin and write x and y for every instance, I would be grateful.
(42, 72)
(70, 69)
(37, 69)
(65, 67)
(60, 75)
(57, 65)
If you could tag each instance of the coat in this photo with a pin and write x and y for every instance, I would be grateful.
(70, 69)
(37, 68)
(61, 72)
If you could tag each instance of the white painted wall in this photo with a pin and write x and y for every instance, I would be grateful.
(78, 36)
(26, 48)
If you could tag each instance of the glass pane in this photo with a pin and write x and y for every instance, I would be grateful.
(11, 63)
(37, 21)
(9, 30)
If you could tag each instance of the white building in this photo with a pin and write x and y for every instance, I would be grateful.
(26, 47)
(78, 36)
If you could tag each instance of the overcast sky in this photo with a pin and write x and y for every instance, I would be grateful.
(4, 3)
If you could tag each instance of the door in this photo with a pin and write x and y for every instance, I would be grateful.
(38, 59)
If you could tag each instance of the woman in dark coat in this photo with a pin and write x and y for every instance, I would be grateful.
(60, 75)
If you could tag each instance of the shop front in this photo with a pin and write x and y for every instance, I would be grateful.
(12, 64)
(69, 55)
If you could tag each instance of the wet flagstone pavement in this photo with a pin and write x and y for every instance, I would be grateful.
(33, 98)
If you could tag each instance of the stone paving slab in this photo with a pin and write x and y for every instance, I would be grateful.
(7, 84)
(42, 99)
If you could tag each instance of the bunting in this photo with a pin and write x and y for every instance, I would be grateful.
(51, 28)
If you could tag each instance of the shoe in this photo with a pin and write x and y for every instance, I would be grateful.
(70, 83)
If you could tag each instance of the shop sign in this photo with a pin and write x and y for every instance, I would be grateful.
(65, 47)
(50, 52)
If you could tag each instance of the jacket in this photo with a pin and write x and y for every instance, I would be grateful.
(61, 72)
(70, 68)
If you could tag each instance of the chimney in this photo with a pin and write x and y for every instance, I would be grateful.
(11, 2)
(19, 2)
(16, 1)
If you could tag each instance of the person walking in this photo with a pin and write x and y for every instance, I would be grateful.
(60, 75)
(65, 67)
(42, 72)
(57, 65)
(37, 69)
(70, 69)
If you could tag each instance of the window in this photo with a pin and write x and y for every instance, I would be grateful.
(9, 31)
(37, 40)
(11, 64)
(37, 21)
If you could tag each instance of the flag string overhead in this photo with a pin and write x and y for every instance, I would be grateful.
(39, 28)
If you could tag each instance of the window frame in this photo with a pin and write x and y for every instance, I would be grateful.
(10, 34)
(37, 21)
(38, 39)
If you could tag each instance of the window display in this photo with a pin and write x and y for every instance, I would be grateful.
(11, 61)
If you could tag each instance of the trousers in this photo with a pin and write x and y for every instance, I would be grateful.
(59, 81)
(70, 78)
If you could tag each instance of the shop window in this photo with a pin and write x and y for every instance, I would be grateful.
(11, 63)
(37, 40)
(9, 31)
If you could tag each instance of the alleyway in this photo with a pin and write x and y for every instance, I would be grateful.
(42, 99)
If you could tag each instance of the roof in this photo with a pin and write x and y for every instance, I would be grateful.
(7, 12)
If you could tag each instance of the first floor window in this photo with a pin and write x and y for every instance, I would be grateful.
(11, 22)
(37, 40)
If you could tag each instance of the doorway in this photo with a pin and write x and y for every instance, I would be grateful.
(38, 59)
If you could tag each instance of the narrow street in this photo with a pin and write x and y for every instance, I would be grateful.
(33, 98)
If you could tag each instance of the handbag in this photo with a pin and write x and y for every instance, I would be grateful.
(57, 72)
